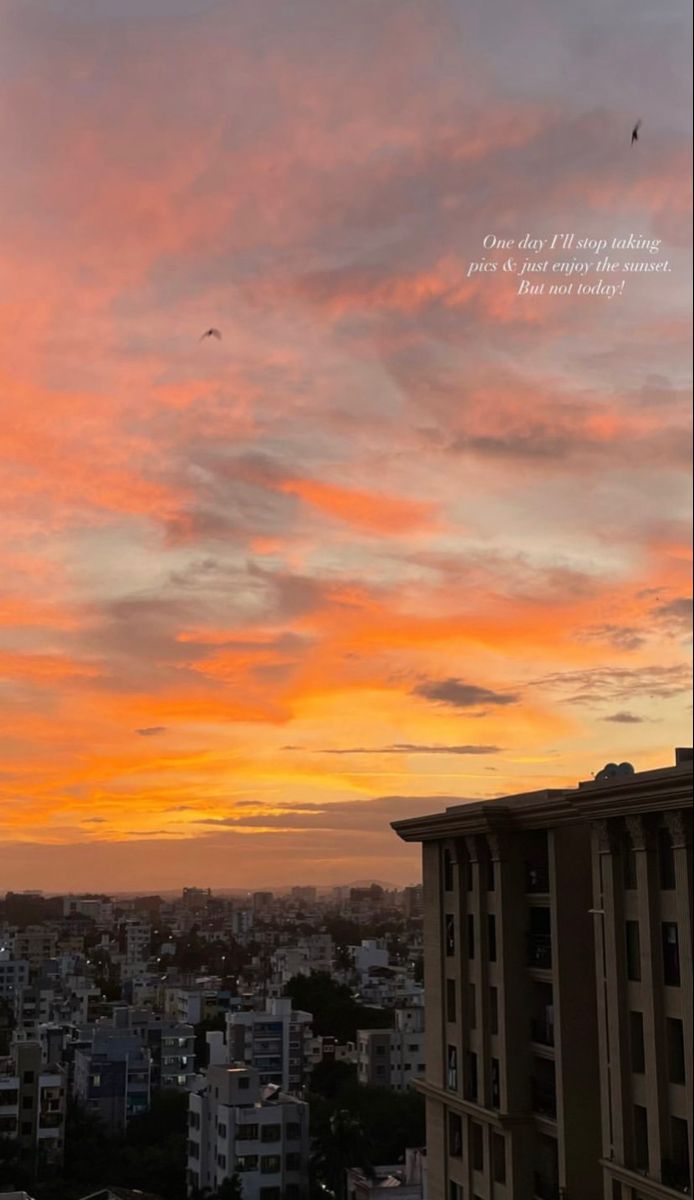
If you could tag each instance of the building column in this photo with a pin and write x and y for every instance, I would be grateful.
(610, 972)
(651, 988)
(680, 832)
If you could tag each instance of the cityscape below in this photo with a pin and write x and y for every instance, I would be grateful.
(516, 1027)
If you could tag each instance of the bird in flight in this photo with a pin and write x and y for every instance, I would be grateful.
(211, 333)
(635, 132)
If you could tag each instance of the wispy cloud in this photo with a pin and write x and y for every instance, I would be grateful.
(462, 695)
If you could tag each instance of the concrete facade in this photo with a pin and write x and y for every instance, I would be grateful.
(553, 1073)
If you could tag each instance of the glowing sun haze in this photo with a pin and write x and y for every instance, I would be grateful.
(400, 536)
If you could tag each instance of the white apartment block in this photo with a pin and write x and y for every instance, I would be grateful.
(237, 1126)
(393, 1058)
(276, 1042)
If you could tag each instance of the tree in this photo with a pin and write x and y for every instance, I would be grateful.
(335, 1011)
(341, 1146)
(230, 1189)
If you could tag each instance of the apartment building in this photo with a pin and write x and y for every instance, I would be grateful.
(393, 1057)
(235, 1125)
(14, 975)
(36, 944)
(642, 872)
(559, 991)
(113, 1077)
(277, 1042)
(32, 1105)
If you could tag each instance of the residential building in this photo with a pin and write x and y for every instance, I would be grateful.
(14, 976)
(642, 881)
(36, 944)
(238, 1126)
(32, 1105)
(393, 1058)
(402, 1181)
(276, 1042)
(557, 934)
(113, 1077)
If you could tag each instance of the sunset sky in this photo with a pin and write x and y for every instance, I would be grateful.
(402, 535)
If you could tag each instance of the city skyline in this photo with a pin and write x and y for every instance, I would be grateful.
(398, 538)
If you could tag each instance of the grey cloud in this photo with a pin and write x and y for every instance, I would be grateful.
(608, 684)
(462, 695)
(624, 718)
(625, 637)
(151, 730)
(413, 748)
(371, 817)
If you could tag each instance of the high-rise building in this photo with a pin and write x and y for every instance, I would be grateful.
(557, 932)
(237, 1126)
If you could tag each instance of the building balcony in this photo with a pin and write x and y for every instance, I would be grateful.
(544, 1188)
(539, 951)
(676, 1175)
(537, 878)
(544, 1099)
(542, 1031)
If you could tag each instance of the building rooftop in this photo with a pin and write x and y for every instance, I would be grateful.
(607, 794)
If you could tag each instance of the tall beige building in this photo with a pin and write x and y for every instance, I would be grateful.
(557, 929)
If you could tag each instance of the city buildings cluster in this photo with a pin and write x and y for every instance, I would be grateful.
(106, 1001)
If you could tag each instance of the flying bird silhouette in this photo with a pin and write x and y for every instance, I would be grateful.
(635, 132)
(211, 333)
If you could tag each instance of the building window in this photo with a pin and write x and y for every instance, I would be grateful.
(675, 1050)
(633, 951)
(616, 1190)
(641, 1160)
(247, 1162)
(677, 1172)
(496, 1083)
(272, 1193)
(270, 1164)
(270, 1133)
(471, 1081)
(477, 1146)
(244, 1082)
(470, 936)
(491, 875)
(540, 938)
(494, 1010)
(447, 871)
(671, 954)
(452, 1069)
(292, 1162)
(455, 1192)
(451, 1005)
(450, 935)
(293, 1131)
(666, 861)
(455, 1135)
(469, 875)
(491, 934)
(638, 1050)
(629, 871)
(472, 1006)
(499, 1157)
